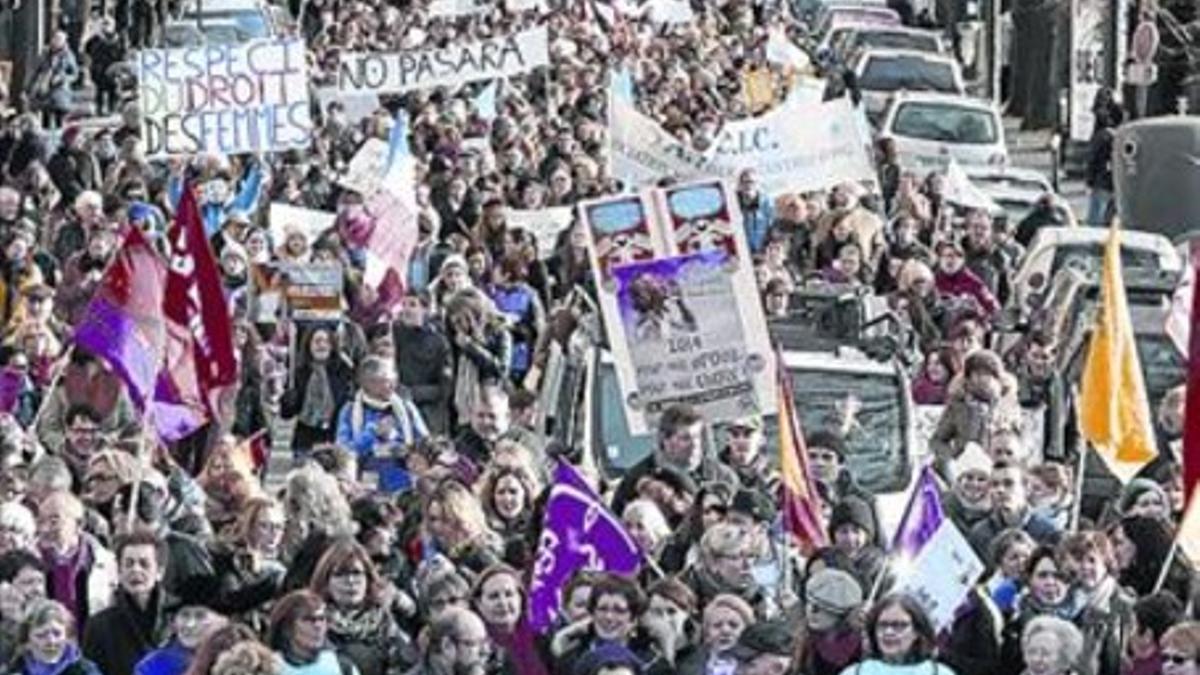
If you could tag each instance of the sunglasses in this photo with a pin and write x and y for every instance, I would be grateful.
(1176, 659)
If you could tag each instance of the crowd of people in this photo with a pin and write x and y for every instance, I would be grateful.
(396, 527)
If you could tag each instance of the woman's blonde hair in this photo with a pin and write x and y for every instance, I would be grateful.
(460, 506)
(43, 612)
(315, 497)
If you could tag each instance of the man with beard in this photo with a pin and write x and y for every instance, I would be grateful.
(83, 271)
(458, 644)
(758, 213)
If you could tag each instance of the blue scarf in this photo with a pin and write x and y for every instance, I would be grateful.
(69, 657)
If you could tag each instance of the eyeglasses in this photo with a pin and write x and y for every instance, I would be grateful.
(893, 626)
(1176, 659)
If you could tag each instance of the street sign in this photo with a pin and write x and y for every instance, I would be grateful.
(1141, 74)
(1145, 42)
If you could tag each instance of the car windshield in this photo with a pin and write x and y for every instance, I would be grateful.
(618, 450)
(891, 40)
(1162, 367)
(871, 405)
(250, 24)
(911, 73)
(1087, 257)
(946, 123)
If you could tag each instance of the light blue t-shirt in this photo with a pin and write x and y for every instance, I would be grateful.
(326, 664)
(877, 667)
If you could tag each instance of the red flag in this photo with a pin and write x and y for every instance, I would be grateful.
(800, 502)
(196, 301)
(1191, 418)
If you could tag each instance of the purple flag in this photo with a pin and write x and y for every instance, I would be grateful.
(922, 517)
(11, 383)
(579, 533)
(124, 322)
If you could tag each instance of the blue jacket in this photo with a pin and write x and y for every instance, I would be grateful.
(245, 201)
(757, 221)
(173, 659)
(359, 435)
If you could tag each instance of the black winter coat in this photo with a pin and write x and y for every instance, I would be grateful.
(424, 366)
(118, 637)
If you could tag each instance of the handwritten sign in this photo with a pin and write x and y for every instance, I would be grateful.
(366, 170)
(313, 292)
(450, 66)
(942, 574)
(225, 99)
(544, 224)
(309, 222)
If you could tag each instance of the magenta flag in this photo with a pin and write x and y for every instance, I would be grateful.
(580, 532)
(123, 323)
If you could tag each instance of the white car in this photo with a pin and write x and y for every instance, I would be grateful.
(1016, 190)
(253, 18)
(931, 129)
(846, 41)
(833, 17)
(1054, 248)
(880, 73)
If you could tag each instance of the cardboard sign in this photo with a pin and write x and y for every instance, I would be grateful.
(942, 574)
(366, 170)
(457, 8)
(702, 337)
(313, 292)
(544, 224)
(310, 222)
(451, 66)
(682, 322)
(225, 99)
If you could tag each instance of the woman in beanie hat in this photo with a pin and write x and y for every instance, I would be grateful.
(852, 531)
(1144, 497)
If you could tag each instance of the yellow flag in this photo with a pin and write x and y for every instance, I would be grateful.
(1114, 413)
(759, 87)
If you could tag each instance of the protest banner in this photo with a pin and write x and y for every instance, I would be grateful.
(642, 152)
(456, 8)
(680, 318)
(798, 147)
(451, 66)
(225, 99)
(313, 292)
(393, 237)
(941, 575)
(668, 12)
(544, 224)
(309, 222)
(366, 170)
(356, 107)
(704, 216)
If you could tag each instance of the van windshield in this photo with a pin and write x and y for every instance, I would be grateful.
(877, 452)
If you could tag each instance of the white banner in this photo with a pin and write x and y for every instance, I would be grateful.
(941, 575)
(225, 99)
(451, 66)
(545, 224)
(642, 152)
(310, 222)
(356, 107)
(456, 8)
(798, 147)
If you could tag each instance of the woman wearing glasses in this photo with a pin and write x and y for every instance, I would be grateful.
(299, 633)
(900, 641)
(361, 624)
(1180, 649)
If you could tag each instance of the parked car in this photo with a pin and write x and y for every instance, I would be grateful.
(1017, 190)
(253, 18)
(1054, 248)
(931, 129)
(880, 73)
(848, 40)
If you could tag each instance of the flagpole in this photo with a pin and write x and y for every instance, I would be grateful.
(1166, 566)
(60, 368)
(1077, 507)
(140, 470)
